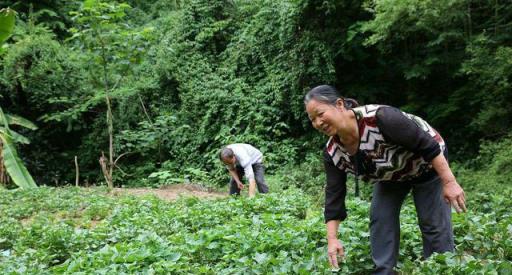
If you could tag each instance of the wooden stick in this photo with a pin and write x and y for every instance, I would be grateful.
(77, 172)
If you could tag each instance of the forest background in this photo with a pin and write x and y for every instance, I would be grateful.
(184, 78)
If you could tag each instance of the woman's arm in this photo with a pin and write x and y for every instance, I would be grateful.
(452, 192)
(334, 246)
(335, 211)
(401, 130)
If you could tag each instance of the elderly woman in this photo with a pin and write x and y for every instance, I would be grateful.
(398, 152)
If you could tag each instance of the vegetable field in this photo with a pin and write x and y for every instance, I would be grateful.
(70, 230)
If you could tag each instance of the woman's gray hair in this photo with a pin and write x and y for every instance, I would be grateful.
(329, 95)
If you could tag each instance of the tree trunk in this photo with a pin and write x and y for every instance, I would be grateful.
(110, 143)
(108, 168)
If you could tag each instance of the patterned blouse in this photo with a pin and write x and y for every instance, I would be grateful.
(393, 146)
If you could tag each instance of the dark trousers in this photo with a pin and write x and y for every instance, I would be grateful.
(259, 171)
(434, 219)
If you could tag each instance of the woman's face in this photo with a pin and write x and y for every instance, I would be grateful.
(325, 117)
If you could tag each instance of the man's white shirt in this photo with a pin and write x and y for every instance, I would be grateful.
(246, 155)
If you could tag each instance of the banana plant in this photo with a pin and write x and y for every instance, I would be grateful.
(7, 17)
(9, 157)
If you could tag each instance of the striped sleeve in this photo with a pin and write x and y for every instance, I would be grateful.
(400, 130)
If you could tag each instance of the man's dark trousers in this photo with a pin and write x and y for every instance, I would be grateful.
(259, 171)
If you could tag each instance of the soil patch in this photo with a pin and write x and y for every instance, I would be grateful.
(172, 192)
(26, 221)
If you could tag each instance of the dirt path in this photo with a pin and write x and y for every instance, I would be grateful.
(172, 192)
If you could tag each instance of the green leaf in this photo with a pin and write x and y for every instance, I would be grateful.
(174, 257)
(17, 138)
(14, 166)
(17, 120)
(260, 258)
(89, 4)
(3, 119)
(6, 23)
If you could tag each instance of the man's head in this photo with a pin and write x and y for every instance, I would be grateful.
(227, 156)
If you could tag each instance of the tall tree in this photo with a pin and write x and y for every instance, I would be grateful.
(112, 49)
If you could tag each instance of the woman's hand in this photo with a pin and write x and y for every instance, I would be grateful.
(334, 248)
(452, 192)
(454, 195)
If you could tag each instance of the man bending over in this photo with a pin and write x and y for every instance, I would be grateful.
(244, 160)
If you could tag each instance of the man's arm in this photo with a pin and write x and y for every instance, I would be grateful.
(249, 173)
(234, 175)
(252, 187)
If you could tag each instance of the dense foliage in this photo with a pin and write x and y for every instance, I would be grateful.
(186, 77)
